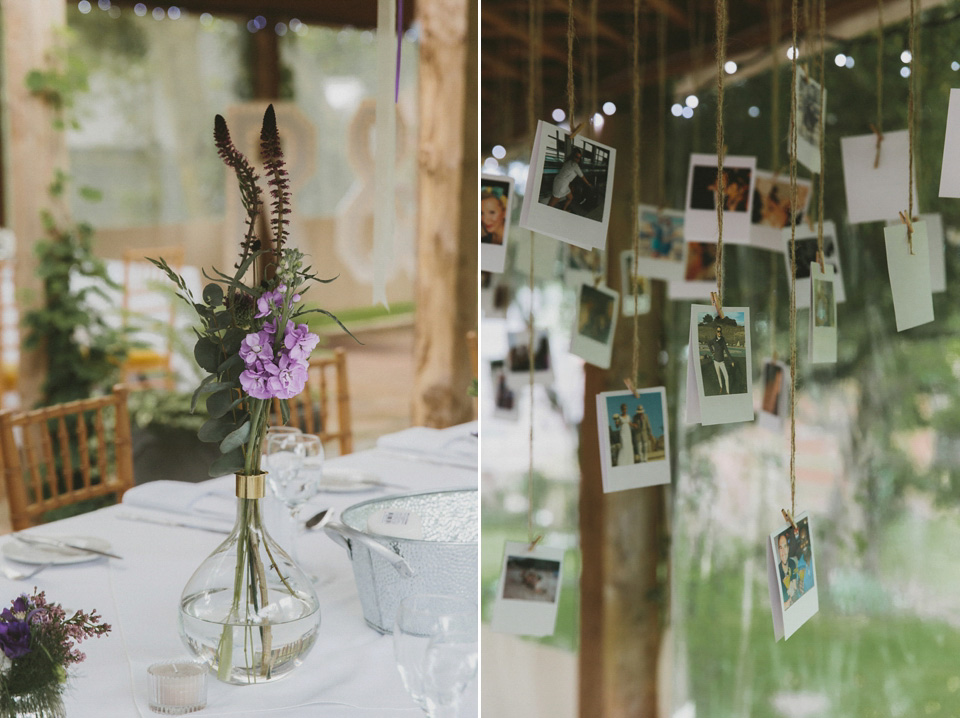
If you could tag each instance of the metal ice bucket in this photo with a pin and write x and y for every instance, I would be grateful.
(388, 569)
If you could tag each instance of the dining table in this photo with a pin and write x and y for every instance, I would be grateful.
(164, 529)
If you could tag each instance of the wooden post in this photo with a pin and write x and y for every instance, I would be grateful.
(446, 290)
(34, 151)
(621, 534)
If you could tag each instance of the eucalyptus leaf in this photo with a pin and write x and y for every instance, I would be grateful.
(213, 294)
(207, 354)
(231, 463)
(231, 362)
(232, 339)
(208, 386)
(236, 438)
(216, 430)
(220, 403)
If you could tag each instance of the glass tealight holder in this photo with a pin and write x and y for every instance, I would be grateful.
(177, 687)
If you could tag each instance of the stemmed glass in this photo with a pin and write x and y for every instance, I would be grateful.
(294, 464)
(435, 643)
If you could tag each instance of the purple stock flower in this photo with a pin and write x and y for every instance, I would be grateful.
(254, 380)
(15, 639)
(269, 302)
(288, 377)
(299, 341)
(256, 346)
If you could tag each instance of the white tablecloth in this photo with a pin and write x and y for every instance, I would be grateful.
(350, 673)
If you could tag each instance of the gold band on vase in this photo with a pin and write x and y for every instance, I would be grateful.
(250, 486)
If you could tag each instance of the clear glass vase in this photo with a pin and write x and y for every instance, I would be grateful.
(248, 610)
(35, 705)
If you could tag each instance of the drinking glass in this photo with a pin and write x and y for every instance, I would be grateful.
(435, 643)
(294, 465)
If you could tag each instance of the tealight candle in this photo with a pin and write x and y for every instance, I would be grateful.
(177, 687)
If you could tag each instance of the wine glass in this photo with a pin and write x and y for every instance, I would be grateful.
(294, 464)
(435, 644)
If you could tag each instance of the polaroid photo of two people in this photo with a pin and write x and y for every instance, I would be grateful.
(529, 590)
(790, 569)
(569, 189)
(634, 441)
(720, 367)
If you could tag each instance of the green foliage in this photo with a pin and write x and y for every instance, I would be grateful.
(58, 84)
(168, 409)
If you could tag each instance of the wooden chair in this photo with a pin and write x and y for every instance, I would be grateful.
(65, 453)
(150, 367)
(310, 410)
(9, 332)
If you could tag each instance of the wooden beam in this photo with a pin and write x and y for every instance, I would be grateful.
(502, 69)
(446, 289)
(505, 28)
(583, 18)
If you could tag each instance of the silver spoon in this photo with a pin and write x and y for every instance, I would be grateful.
(316, 519)
(15, 575)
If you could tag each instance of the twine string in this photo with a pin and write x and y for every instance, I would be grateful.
(793, 264)
(662, 106)
(636, 107)
(721, 148)
(594, 102)
(775, 20)
(911, 111)
(823, 130)
(879, 126)
(571, 35)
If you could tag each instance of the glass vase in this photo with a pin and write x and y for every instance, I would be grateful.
(48, 704)
(249, 611)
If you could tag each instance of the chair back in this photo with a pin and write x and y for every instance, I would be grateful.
(323, 407)
(9, 332)
(150, 367)
(65, 453)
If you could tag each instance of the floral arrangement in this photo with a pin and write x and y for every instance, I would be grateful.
(38, 644)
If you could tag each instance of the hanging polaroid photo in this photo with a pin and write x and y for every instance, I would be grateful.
(546, 254)
(505, 403)
(938, 269)
(909, 275)
(595, 325)
(496, 205)
(570, 187)
(792, 583)
(876, 194)
(806, 242)
(700, 219)
(720, 369)
(519, 357)
(529, 590)
(581, 266)
(630, 282)
(949, 168)
(661, 245)
(823, 315)
(634, 447)
(809, 120)
(495, 294)
(771, 208)
(700, 275)
(775, 402)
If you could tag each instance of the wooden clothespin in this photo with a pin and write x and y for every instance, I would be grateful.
(576, 130)
(632, 388)
(876, 130)
(820, 262)
(905, 218)
(715, 300)
(538, 539)
(788, 518)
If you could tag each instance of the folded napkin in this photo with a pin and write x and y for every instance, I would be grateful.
(184, 498)
(455, 445)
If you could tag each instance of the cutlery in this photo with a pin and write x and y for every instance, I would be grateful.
(316, 519)
(181, 524)
(15, 575)
(56, 543)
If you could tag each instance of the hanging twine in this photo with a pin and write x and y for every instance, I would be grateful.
(662, 107)
(910, 120)
(721, 148)
(775, 20)
(594, 101)
(571, 35)
(823, 131)
(878, 128)
(793, 265)
(637, 119)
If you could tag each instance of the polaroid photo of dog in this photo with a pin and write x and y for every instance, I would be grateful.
(700, 218)
(823, 315)
(876, 194)
(495, 294)
(909, 275)
(660, 243)
(720, 371)
(809, 120)
(519, 356)
(700, 275)
(595, 324)
(771, 208)
(634, 441)
(581, 266)
(570, 188)
(775, 400)
(806, 243)
(496, 206)
(794, 596)
(529, 590)
(630, 282)
(505, 399)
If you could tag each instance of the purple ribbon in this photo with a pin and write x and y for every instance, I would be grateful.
(396, 85)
